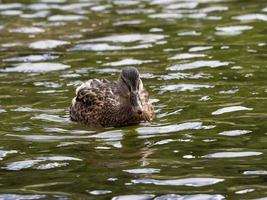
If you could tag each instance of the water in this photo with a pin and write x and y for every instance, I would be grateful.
(204, 64)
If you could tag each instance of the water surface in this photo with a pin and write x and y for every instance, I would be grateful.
(204, 65)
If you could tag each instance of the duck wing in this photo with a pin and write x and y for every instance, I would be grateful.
(92, 97)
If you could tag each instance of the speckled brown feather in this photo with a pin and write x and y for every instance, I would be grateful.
(97, 104)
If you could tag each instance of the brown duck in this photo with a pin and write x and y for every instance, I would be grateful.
(100, 102)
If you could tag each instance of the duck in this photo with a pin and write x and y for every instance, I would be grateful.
(106, 103)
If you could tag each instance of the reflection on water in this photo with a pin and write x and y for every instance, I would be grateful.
(203, 63)
(195, 182)
(36, 67)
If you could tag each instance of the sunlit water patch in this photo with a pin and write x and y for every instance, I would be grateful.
(256, 172)
(180, 75)
(47, 44)
(100, 192)
(194, 182)
(200, 48)
(188, 33)
(184, 87)
(2, 110)
(232, 154)
(198, 64)
(251, 17)
(190, 197)
(127, 38)
(66, 18)
(28, 30)
(18, 165)
(186, 56)
(107, 47)
(130, 22)
(235, 132)
(50, 118)
(8, 6)
(128, 61)
(36, 67)
(22, 197)
(230, 109)
(232, 30)
(134, 197)
(142, 171)
(5, 153)
(146, 131)
(25, 164)
(31, 58)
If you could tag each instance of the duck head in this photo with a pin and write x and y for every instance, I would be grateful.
(130, 86)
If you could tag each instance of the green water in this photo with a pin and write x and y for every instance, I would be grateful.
(204, 65)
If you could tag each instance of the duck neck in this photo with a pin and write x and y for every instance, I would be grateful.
(125, 108)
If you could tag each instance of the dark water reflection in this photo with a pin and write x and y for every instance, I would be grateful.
(204, 64)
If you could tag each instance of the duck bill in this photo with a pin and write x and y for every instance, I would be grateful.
(136, 103)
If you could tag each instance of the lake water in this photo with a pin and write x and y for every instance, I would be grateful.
(204, 64)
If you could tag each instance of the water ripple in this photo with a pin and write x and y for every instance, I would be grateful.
(235, 132)
(66, 18)
(21, 197)
(19, 165)
(162, 142)
(100, 192)
(27, 30)
(107, 47)
(31, 58)
(186, 56)
(48, 138)
(200, 48)
(232, 154)
(52, 1)
(232, 30)
(47, 44)
(11, 12)
(198, 64)
(244, 191)
(230, 109)
(51, 165)
(251, 17)
(2, 110)
(194, 182)
(134, 197)
(170, 128)
(38, 14)
(59, 158)
(184, 87)
(189, 33)
(7, 6)
(256, 172)
(109, 135)
(180, 75)
(128, 22)
(5, 153)
(128, 61)
(127, 38)
(51, 118)
(187, 5)
(25, 164)
(135, 11)
(143, 171)
(191, 197)
(36, 67)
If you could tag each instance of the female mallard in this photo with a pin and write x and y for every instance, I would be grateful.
(100, 102)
